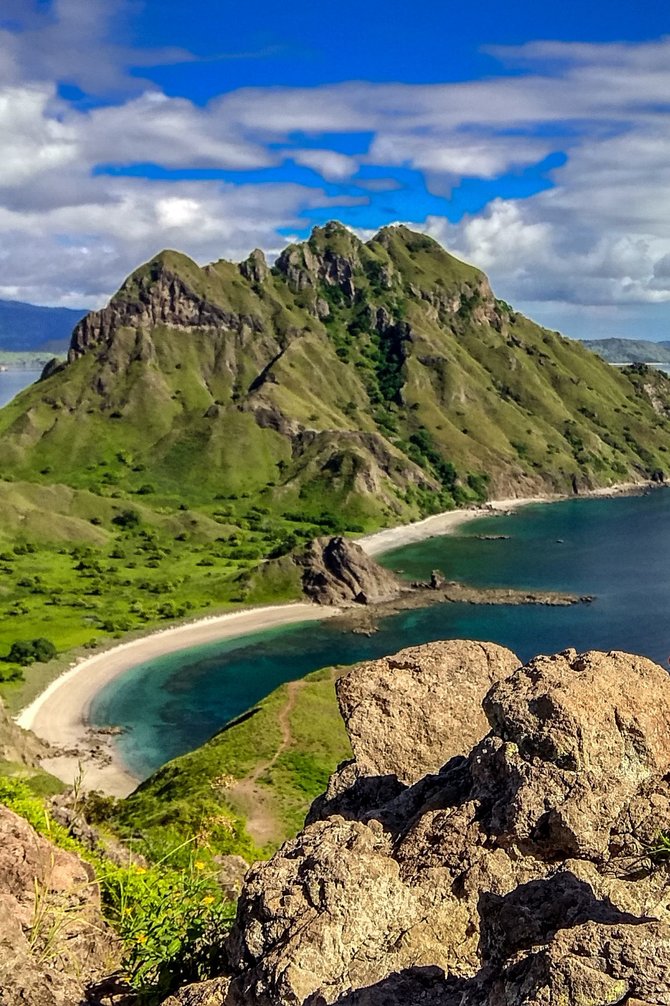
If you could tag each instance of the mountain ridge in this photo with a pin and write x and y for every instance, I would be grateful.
(383, 376)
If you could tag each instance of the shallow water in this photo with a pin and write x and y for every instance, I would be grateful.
(616, 549)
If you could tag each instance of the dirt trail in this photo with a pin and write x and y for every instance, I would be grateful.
(256, 800)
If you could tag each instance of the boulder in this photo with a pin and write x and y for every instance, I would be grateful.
(338, 571)
(54, 942)
(523, 874)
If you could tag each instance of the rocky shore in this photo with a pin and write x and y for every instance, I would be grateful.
(337, 571)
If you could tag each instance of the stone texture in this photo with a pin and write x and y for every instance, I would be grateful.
(54, 943)
(519, 875)
(408, 714)
(338, 571)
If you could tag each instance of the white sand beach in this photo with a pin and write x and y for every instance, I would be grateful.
(440, 523)
(59, 715)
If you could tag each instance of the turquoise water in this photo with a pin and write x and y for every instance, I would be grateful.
(13, 381)
(618, 550)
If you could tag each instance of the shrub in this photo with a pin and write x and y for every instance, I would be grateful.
(127, 519)
(31, 652)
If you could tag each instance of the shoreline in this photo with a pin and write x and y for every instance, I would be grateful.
(450, 520)
(59, 714)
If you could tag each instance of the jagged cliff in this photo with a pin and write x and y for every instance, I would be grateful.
(381, 380)
(450, 866)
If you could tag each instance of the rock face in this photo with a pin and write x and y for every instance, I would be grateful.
(407, 715)
(338, 571)
(54, 943)
(520, 875)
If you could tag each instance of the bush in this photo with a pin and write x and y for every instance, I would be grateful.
(127, 519)
(31, 652)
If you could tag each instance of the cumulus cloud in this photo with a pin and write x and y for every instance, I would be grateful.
(72, 223)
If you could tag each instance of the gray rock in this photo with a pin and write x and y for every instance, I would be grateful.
(338, 571)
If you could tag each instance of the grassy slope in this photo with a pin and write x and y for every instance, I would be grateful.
(261, 771)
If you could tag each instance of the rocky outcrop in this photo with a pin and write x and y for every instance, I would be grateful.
(19, 746)
(521, 875)
(153, 297)
(407, 715)
(338, 571)
(54, 943)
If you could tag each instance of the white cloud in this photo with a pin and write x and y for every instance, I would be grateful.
(599, 237)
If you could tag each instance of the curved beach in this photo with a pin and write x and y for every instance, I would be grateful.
(59, 715)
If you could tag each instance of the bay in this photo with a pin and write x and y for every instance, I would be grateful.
(615, 549)
(13, 381)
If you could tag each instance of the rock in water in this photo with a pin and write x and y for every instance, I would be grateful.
(517, 876)
(338, 571)
(54, 943)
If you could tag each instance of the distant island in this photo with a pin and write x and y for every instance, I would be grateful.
(27, 328)
(630, 350)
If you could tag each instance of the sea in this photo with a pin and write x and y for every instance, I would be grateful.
(13, 381)
(616, 550)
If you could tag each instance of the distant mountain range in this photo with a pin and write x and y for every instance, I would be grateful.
(28, 328)
(630, 350)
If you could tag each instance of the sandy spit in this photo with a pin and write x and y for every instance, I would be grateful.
(59, 715)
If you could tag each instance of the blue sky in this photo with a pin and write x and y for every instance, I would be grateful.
(534, 142)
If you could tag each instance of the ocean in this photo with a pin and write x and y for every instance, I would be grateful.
(615, 549)
(13, 381)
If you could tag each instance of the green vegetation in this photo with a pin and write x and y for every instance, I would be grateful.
(248, 788)
(167, 916)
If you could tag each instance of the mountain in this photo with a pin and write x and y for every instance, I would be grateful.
(27, 327)
(379, 381)
(630, 350)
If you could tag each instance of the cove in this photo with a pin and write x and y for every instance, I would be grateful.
(615, 549)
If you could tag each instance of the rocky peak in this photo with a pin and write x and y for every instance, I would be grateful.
(255, 268)
(331, 256)
(166, 291)
(519, 875)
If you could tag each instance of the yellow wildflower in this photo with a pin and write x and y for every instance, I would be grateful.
(199, 865)
(141, 937)
(140, 869)
(208, 900)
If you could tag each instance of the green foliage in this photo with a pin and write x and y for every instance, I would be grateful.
(171, 922)
(30, 652)
(170, 918)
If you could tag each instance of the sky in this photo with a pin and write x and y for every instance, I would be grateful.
(532, 140)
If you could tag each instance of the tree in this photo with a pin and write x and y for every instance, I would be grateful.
(33, 651)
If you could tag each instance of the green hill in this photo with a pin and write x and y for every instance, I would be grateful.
(377, 377)
(210, 417)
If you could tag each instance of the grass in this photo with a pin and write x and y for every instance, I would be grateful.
(205, 792)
